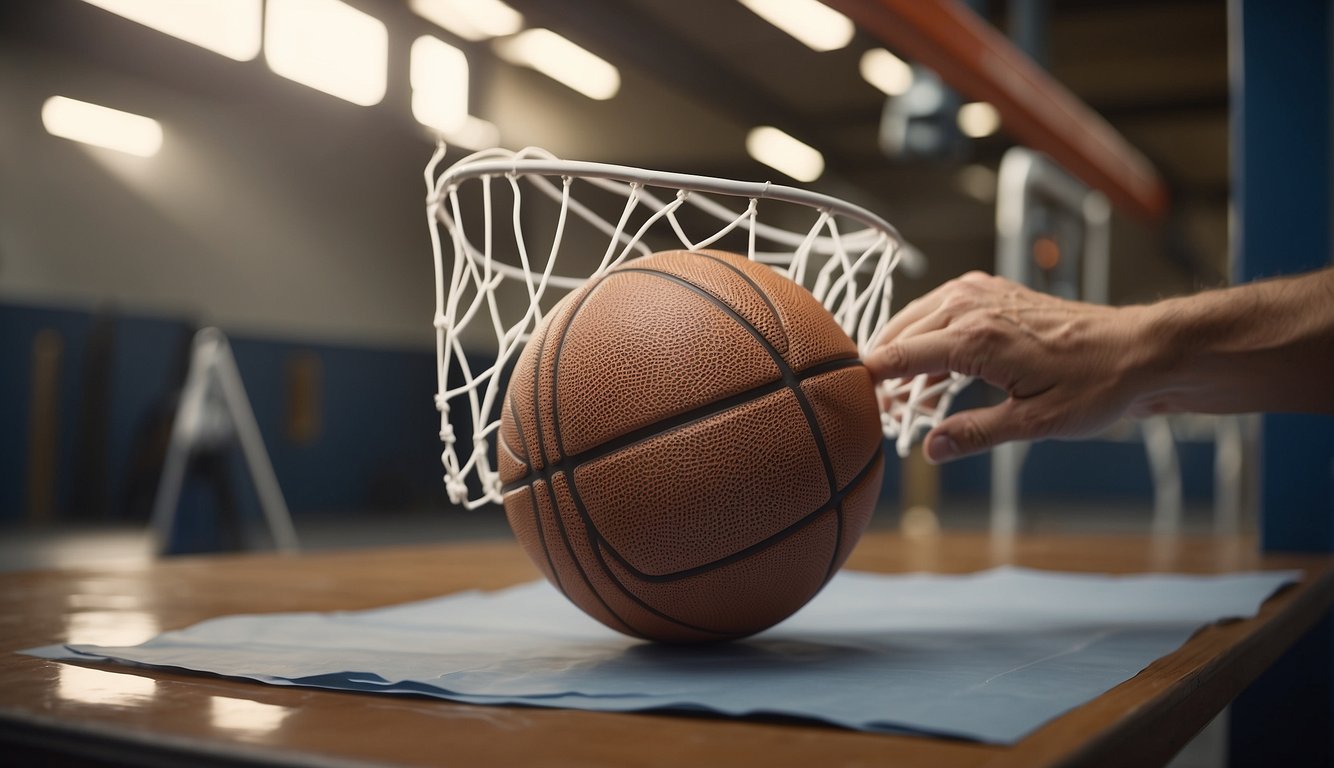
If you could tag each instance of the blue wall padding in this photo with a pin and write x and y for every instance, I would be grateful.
(379, 440)
(378, 446)
(19, 326)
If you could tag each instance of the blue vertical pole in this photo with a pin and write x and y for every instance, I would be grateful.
(1281, 166)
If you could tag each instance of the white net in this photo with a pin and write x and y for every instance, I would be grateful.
(502, 222)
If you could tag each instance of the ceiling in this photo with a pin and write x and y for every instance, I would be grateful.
(697, 74)
(1157, 71)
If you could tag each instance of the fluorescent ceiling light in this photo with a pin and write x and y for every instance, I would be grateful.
(887, 72)
(784, 153)
(329, 46)
(815, 24)
(978, 119)
(562, 61)
(438, 73)
(228, 27)
(470, 19)
(102, 126)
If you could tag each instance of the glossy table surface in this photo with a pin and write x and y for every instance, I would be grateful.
(148, 717)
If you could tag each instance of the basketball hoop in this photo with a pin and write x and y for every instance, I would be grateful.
(501, 276)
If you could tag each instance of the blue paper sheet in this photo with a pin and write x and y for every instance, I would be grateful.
(987, 656)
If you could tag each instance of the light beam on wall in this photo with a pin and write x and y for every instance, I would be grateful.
(472, 20)
(329, 46)
(815, 24)
(781, 152)
(102, 126)
(228, 27)
(562, 61)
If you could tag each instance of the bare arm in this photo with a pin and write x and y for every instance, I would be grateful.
(1071, 369)
(1266, 346)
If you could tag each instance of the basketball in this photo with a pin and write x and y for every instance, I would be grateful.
(689, 447)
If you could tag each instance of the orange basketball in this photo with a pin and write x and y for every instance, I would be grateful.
(690, 447)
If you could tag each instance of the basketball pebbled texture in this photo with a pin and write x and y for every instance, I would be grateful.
(690, 447)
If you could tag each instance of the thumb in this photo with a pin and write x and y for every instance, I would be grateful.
(975, 430)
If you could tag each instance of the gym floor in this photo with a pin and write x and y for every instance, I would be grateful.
(71, 545)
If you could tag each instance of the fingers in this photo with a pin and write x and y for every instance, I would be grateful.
(929, 353)
(899, 322)
(960, 327)
(935, 311)
(916, 310)
(981, 429)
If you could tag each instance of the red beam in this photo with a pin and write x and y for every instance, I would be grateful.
(1035, 109)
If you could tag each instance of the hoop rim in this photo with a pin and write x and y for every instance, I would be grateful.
(851, 275)
(758, 190)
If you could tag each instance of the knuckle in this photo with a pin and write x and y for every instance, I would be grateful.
(976, 336)
(957, 357)
(956, 303)
(954, 288)
(1037, 422)
(895, 356)
(972, 434)
(968, 357)
(889, 359)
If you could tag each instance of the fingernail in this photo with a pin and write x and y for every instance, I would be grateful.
(941, 448)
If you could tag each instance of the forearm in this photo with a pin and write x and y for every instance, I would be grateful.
(1266, 346)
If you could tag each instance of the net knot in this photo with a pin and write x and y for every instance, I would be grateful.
(457, 489)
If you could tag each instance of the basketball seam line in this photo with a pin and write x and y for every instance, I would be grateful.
(593, 536)
(789, 379)
(542, 449)
(838, 527)
(775, 538)
(501, 442)
(592, 545)
(537, 513)
(789, 376)
(672, 423)
(778, 316)
(597, 545)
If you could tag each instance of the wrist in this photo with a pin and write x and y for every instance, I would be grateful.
(1159, 347)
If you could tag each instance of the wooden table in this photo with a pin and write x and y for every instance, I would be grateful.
(150, 717)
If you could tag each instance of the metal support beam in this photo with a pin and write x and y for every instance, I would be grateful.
(977, 60)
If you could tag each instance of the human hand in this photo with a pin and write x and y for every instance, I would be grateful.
(1069, 368)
